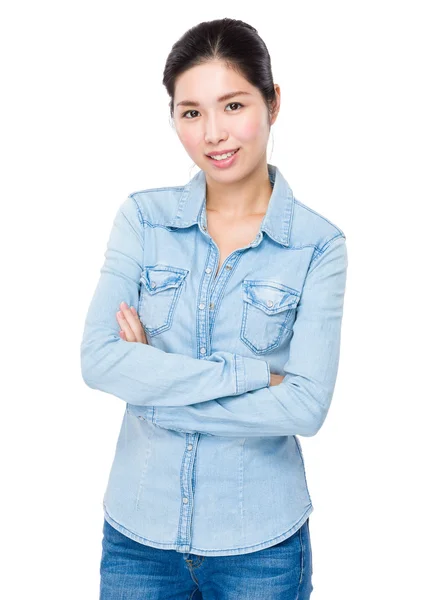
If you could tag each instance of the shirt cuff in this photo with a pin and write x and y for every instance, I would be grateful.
(251, 374)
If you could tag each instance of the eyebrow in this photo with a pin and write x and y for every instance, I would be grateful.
(220, 99)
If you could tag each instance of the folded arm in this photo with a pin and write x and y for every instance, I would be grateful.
(140, 373)
(298, 405)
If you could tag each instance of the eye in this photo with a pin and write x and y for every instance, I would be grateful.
(187, 112)
(184, 115)
(232, 103)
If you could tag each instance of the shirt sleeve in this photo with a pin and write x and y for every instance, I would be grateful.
(140, 373)
(299, 404)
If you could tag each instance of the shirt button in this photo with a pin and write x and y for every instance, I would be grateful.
(203, 350)
(153, 284)
(204, 227)
(189, 446)
(201, 306)
(211, 305)
(228, 267)
(208, 270)
(270, 302)
(185, 500)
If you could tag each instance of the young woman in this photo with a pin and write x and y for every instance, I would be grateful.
(217, 319)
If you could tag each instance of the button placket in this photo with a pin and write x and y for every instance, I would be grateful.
(203, 316)
(187, 497)
(203, 218)
(219, 283)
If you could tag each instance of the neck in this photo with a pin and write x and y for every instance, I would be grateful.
(245, 197)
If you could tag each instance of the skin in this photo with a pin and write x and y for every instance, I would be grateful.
(242, 121)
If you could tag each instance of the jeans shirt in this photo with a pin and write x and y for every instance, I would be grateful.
(208, 460)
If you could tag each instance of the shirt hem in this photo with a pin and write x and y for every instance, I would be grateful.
(203, 552)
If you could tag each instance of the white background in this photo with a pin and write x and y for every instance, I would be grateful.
(85, 122)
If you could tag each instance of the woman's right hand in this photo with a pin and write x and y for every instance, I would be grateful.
(131, 327)
(275, 379)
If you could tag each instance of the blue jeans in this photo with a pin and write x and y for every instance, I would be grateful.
(132, 571)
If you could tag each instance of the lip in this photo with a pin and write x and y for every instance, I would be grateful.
(226, 162)
(219, 152)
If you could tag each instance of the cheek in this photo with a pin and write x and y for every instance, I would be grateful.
(250, 130)
(189, 140)
(190, 137)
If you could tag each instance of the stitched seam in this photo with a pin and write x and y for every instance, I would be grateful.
(302, 564)
(275, 540)
(236, 374)
(158, 189)
(193, 593)
(322, 250)
(317, 213)
(139, 211)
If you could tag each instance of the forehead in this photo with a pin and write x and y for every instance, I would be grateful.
(208, 81)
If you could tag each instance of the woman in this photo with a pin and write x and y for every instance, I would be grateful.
(239, 288)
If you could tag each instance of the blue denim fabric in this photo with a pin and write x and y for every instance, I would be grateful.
(132, 571)
(208, 460)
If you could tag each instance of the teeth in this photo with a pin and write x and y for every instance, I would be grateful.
(223, 156)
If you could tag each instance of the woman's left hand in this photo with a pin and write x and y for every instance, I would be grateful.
(131, 326)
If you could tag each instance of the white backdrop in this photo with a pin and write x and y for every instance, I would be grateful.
(84, 122)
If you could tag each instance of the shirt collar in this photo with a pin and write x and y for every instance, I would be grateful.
(276, 223)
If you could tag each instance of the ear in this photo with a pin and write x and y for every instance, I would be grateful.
(276, 105)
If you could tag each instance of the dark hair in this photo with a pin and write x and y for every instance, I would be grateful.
(235, 42)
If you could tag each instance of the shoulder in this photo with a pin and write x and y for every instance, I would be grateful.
(311, 228)
(156, 206)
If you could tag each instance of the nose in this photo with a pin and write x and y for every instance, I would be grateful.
(214, 131)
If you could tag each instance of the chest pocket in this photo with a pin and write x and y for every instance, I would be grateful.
(160, 290)
(268, 313)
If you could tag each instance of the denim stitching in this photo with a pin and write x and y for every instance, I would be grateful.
(272, 345)
(317, 213)
(236, 374)
(302, 563)
(172, 546)
(300, 451)
(169, 320)
(320, 251)
(220, 294)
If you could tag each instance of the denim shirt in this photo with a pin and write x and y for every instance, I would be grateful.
(208, 460)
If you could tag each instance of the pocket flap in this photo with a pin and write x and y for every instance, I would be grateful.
(269, 296)
(161, 277)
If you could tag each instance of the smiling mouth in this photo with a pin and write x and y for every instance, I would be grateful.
(222, 159)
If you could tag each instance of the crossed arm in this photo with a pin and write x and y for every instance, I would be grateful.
(136, 372)
(225, 394)
(299, 404)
